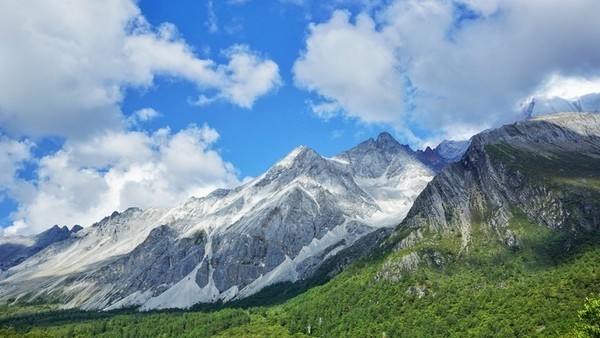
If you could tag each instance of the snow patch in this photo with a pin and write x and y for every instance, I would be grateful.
(318, 245)
(394, 196)
(230, 293)
(287, 161)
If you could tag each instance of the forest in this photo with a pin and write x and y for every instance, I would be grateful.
(492, 291)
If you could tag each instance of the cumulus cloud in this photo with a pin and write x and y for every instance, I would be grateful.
(449, 65)
(248, 77)
(353, 68)
(66, 73)
(87, 180)
(141, 116)
(16, 229)
(67, 66)
(13, 155)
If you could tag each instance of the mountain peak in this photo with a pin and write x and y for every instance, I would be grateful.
(387, 142)
(385, 137)
(301, 153)
(384, 142)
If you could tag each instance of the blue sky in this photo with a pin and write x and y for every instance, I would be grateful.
(252, 139)
(117, 103)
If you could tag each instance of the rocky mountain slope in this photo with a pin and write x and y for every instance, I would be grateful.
(545, 170)
(230, 244)
(503, 242)
(14, 250)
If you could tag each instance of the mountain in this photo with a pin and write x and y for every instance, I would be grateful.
(448, 151)
(281, 226)
(504, 242)
(537, 107)
(545, 168)
(14, 250)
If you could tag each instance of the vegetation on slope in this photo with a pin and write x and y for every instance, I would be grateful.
(492, 291)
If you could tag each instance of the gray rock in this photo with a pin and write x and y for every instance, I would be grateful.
(15, 250)
(282, 226)
(481, 189)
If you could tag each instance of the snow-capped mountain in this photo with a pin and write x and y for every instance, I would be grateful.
(230, 244)
(589, 103)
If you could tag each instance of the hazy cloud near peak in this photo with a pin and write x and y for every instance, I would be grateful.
(450, 66)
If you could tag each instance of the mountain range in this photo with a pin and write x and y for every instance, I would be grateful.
(503, 242)
(523, 197)
(230, 244)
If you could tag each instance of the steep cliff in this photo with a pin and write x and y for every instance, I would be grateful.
(543, 171)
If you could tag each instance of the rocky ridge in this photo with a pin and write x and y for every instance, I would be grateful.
(544, 170)
(446, 152)
(14, 250)
(230, 244)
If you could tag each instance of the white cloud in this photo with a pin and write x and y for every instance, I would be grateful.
(249, 76)
(13, 155)
(351, 66)
(212, 22)
(66, 73)
(451, 66)
(140, 116)
(87, 180)
(241, 81)
(326, 109)
(567, 87)
(14, 229)
(68, 64)
(484, 7)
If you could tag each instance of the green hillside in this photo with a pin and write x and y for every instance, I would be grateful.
(491, 291)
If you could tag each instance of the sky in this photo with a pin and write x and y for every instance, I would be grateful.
(107, 104)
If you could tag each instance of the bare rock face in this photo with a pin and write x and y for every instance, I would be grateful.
(537, 167)
(231, 244)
